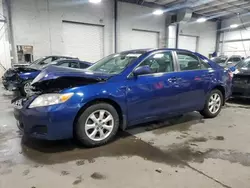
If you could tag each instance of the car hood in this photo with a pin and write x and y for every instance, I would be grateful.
(18, 70)
(55, 78)
(54, 72)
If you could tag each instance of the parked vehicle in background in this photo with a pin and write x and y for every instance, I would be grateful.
(241, 79)
(227, 62)
(119, 91)
(43, 60)
(19, 79)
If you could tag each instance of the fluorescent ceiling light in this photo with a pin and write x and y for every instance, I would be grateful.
(158, 12)
(200, 20)
(95, 1)
(234, 26)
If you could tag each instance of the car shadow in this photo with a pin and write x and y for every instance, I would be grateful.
(125, 143)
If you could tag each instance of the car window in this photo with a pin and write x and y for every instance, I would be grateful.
(234, 59)
(204, 64)
(159, 62)
(245, 64)
(188, 61)
(64, 64)
(74, 65)
(83, 66)
(115, 63)
(48, 60)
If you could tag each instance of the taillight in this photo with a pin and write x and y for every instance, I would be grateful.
(230, 74)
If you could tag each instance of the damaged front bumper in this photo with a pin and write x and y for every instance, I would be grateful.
(48, 123)
(11, 85)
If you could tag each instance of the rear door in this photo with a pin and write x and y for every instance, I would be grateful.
(195, 78)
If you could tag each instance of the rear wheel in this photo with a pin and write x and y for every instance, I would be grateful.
(97, 125)
(213, 104)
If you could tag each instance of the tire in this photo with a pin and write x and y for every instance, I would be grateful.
(85, 121)
(22, 89)
(206, 112)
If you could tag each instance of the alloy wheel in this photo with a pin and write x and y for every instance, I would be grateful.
(99, 125)
(27, 88)
(214, 103)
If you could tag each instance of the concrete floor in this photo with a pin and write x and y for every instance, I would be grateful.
(186, 152)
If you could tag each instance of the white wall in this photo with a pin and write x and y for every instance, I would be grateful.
(131, 16)
(206, 33)
(4, 44)
(241, 37)
(39, 24)
(171, 36)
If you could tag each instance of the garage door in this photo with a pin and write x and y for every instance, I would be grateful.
(187, 43)
(144, 39)
(235, 48)
(83, 41)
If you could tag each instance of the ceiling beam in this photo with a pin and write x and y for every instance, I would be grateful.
(229, 3)
(231, 9)
(213, 4)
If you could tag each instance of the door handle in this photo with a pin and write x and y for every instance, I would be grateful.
(210, 74)
(174, 79)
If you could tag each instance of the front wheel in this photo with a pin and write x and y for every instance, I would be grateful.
(213, 104)
(97, 125)
(26, 88)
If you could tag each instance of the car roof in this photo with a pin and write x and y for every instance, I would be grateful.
(69, 57)
(66, 60)
(155, 49)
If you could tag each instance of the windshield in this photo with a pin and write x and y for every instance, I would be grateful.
(37, 61)
(244, 64)
(220, 60)
(114, 64)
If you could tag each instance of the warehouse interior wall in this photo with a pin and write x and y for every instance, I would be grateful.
(5, 59)
(235, 41)
(39, 23)
(171, 36)
(205, 33)
(135, 17)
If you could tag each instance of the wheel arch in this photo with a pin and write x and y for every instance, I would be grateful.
(223, 91)
(122, 117)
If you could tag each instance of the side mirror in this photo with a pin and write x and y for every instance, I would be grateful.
(42, 63)
(142, 70)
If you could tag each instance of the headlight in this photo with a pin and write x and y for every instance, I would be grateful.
(50, 99)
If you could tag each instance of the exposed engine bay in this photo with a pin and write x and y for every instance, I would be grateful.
(56, 85)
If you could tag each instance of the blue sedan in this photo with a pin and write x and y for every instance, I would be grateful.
(119, 91)
(20, 78)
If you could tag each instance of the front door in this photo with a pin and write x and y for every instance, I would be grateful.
(152, 95)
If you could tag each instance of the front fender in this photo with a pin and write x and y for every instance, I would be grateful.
(101, 91)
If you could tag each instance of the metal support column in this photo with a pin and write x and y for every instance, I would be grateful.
(177, 35)
(115, 25)
(218, 33)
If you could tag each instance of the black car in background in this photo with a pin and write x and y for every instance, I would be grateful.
(241, 80)
(226, 61)
(19, 79)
